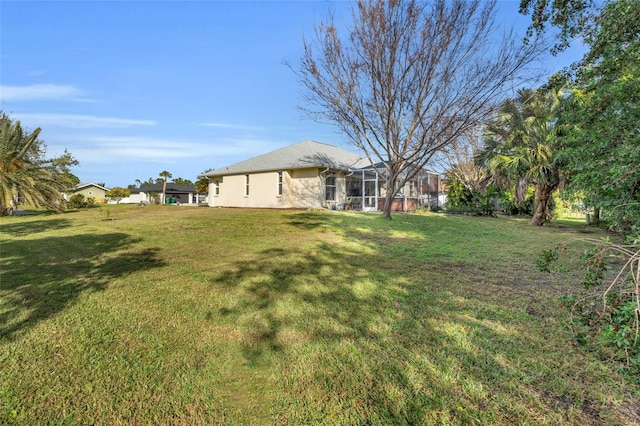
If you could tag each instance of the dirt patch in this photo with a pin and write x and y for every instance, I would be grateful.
(631, 412)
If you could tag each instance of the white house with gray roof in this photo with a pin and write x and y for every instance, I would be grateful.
(304, 175)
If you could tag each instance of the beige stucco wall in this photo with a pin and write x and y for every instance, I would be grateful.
(263, 191)
(91, 191)
(306, 188)
(302, 188)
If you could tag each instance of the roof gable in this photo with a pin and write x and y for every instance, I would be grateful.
(80, 186)
(298, 156)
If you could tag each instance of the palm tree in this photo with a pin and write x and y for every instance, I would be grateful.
(23, 173)
(519, 147)
(165, 175)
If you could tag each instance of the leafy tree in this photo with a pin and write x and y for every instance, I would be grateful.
(602, 147)
(147, 182)
(60, 169)
(202, 184)
(26, 174)
(571, 17)
(182, 181)
(118, 194)
(164, 175)
(409, 78)
(521, 147)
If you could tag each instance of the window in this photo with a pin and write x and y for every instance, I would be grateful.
(246, 185)
(330, 182)
(279, 183)
(216, 190)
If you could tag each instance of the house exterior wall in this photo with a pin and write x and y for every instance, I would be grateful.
(301, 188)
(184, 198)
(91, 191)
(133, 199)
(263, 190)
(306, 188)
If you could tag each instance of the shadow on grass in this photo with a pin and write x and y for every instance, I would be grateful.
(19, 229)
(41, 277)
(394, 345)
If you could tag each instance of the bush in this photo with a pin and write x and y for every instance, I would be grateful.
(606, 316)
(507, 200)
(458, 195)
(78, 201)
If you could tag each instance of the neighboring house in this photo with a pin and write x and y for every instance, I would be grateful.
(89, 190)
(174, 194)
(312, 174)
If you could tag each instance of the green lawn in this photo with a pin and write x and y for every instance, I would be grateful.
(178, 315)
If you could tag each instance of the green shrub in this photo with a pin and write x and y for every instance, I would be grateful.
(605, 316)
(77, 201)
(458, 195)
(507, 200)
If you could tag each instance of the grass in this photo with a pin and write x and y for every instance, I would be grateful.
(167, 315)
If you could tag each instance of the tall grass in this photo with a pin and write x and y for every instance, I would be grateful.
(176, 315)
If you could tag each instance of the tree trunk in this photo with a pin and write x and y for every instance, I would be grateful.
(388, 200)
(541, 213)
(164, 190)
(390, 189)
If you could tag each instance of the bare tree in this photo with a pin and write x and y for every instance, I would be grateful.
(458, 160)
(410, 77)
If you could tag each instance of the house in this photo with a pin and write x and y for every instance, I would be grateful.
(89, 190)
(174, 194)
(312, 174)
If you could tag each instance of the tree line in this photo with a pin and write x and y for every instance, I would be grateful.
(578, 133)
(416, 84)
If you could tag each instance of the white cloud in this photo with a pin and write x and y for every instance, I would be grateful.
(75, 121)
(36, 92)
(139, 149)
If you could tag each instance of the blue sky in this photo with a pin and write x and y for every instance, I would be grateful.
(133, 88)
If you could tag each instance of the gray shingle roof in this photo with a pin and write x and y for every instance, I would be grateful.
(171, 188)
(298, 156)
